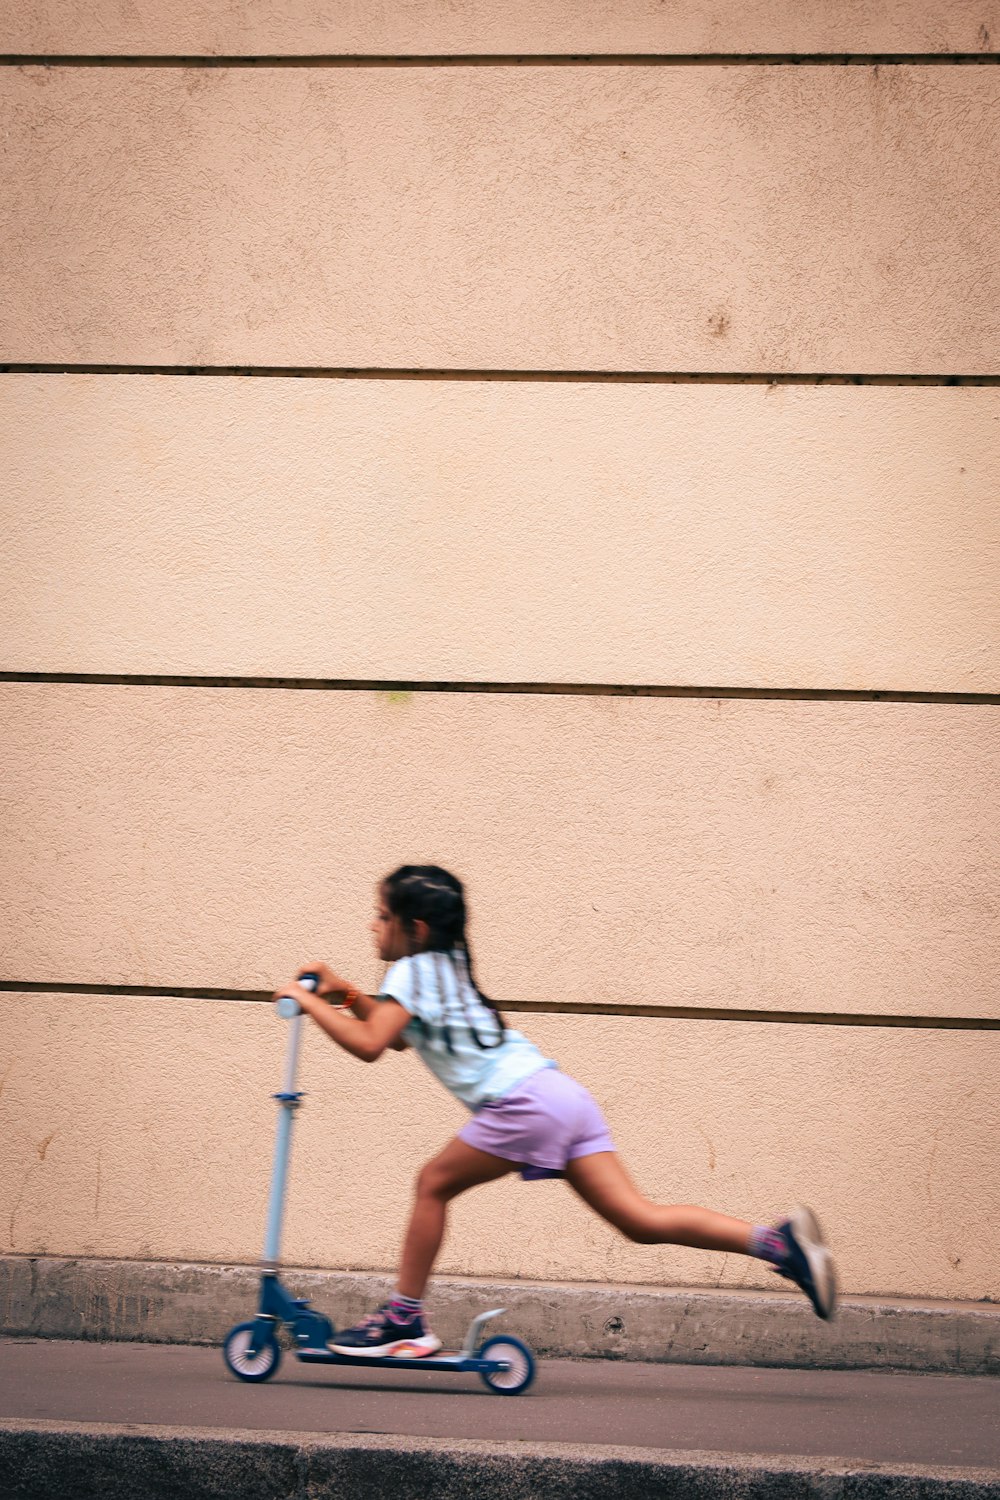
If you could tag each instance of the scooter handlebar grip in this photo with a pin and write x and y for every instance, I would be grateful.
(288, 1006)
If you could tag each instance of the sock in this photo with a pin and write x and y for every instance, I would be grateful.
(402, 1309)
(767, 1244)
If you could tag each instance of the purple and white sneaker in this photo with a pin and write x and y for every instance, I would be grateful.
(809, 1263)
(381, 1334)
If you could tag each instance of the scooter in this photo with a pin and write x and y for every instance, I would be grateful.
(252, 1351)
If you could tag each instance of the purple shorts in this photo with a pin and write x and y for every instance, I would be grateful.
(543, 1123)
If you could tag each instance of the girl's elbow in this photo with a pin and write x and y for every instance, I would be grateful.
(370, 1052)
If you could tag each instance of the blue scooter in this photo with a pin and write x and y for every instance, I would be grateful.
(251, 1350)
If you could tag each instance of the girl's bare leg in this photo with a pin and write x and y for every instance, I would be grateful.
(455, 1169)
(603, 1183)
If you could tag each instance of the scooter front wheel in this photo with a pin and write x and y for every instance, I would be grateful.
(518, 1358)
(265, 1359)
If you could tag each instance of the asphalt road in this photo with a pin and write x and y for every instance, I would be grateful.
(874, 1416)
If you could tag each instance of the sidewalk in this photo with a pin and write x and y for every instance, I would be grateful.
(139, 1419)
(164, 1302)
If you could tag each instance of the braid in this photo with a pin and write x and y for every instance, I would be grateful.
(427, 893)
(438, 959)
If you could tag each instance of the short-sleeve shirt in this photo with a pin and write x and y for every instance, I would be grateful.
(448, 1015)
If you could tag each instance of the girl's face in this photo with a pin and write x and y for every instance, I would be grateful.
(391, 941)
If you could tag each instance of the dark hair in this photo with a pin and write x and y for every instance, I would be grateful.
(426, 893)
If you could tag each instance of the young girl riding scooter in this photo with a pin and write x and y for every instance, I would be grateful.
(527, 1116)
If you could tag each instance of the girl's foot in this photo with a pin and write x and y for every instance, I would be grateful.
(808, 1262)
(382, 1333)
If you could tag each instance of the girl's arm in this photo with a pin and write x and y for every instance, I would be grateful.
(344, 993)
(366, 1039)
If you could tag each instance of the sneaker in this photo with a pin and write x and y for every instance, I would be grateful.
(379, 1335)
(809, 1263)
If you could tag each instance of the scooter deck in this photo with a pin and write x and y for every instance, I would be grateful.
(457, 1363)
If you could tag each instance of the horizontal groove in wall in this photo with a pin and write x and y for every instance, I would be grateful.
(507, 60)
(593, 377)
(550, 1007)
(544, 689)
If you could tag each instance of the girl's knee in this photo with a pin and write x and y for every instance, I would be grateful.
(640, 1232)
(636, 1224)
(433, 1181)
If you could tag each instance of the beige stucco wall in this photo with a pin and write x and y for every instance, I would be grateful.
(784, 855)
(752, 536)
(639, 218)
(157, 1141)
(482, 26)
(730, 853)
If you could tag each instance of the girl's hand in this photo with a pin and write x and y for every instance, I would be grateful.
(331, 987)
(306, 998)
(329, 982)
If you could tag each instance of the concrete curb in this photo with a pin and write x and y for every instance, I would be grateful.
(106, 1462)
(163, 1302)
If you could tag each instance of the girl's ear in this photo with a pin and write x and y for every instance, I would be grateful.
(421, 933)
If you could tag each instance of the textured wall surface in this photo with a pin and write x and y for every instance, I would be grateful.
(790, 856)
(478, 26)
(689, 218)
(758, 536)
(157, 1142)
(749, 512)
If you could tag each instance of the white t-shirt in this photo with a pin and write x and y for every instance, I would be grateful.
(435, 989)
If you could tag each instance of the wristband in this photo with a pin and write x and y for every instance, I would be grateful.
(350, 995)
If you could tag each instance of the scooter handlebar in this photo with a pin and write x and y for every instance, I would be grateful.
(288, 1006)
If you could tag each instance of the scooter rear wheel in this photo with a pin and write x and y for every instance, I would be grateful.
(520, 1363)
(266, 1357)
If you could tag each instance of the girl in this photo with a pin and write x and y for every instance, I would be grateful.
(527, 1115)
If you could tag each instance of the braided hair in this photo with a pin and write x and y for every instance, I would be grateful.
(426, 893)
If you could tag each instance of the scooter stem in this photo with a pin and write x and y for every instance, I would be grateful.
(288, 1102)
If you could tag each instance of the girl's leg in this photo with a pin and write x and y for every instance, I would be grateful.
(455, 1169)
(603, 1183)
(399, 1326)
(795, 1248)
